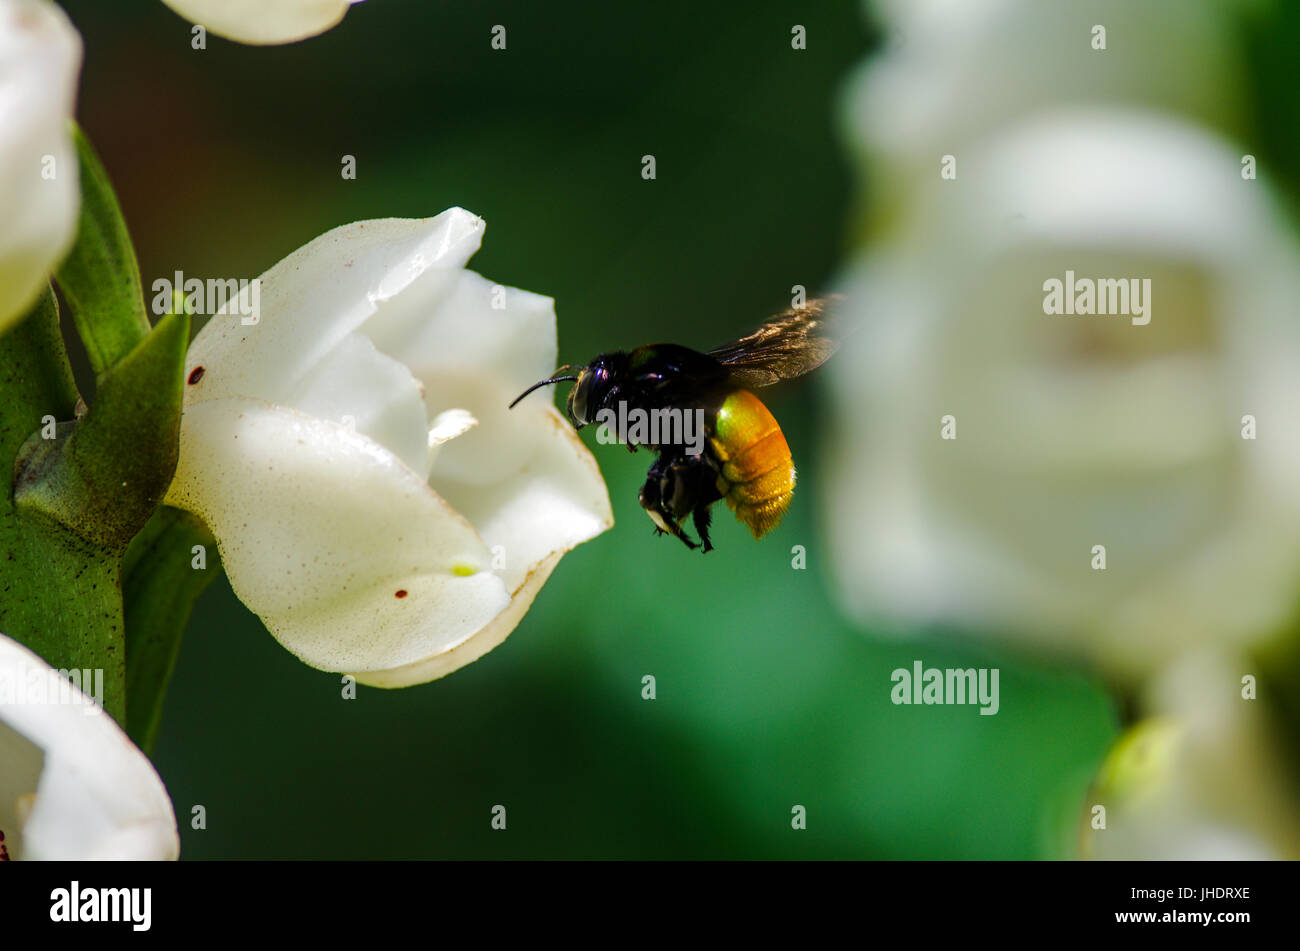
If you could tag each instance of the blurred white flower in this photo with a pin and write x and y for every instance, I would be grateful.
(1075, 431)
(374, 500)
(263, 22)
(1201, 779)
(952, 72)
(40, 57)
(72, 786)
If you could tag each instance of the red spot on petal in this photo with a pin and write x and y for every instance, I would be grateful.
(196, 375)
(400, 594)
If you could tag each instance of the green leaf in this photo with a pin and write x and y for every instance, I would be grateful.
(160, 583)
(60, 592)
(103, 476)
(100, 279)
(35, 378)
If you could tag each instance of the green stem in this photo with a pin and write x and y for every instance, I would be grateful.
(60, 591)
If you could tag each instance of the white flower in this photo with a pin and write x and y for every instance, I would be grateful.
(263, 22)
(955, 71)
(1076, 431)
(40, 57)
(72, 786)
(374, 500)
(1202, 779)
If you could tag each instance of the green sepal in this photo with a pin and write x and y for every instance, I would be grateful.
(102, 477)
(100, 279)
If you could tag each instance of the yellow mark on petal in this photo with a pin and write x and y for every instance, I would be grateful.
(463, 571)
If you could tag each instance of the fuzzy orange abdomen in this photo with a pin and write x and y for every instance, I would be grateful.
(757, 474)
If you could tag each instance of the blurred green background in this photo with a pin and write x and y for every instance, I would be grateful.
(227, 159)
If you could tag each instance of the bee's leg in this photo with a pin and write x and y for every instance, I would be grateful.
(659, 480)
(689, 487)
(674, 529)
(701, 517)
(649, 499)
(664, 523)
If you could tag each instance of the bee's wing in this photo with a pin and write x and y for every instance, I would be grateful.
(789, 345)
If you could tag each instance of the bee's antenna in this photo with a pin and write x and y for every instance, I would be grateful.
(554, 379)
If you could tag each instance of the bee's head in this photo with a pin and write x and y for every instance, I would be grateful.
(592, 389)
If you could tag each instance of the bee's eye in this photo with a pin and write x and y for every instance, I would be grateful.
(578, 398)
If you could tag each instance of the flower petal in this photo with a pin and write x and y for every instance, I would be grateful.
(346, 554)
(552, 504)
(40, 57)
(97, 796)
(322, 293)
(959, 70)
(356, 384)
(449, 424)
(263, 22)
(492, 635)
(478, 349)
(522, 476)
(1074, 431)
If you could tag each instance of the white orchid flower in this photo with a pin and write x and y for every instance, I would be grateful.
(263, 22)
(1204, 778)
(72, 786)
(374, 500)
(1076, 431)
(40, 58)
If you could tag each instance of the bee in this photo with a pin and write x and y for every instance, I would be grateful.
(741, 457)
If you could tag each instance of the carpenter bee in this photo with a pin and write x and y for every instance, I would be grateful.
(714, 438)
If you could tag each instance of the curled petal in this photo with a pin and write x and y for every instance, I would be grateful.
(72, 786)
(481, 347)
(360, 387)
(311, 301)
(522, 476)
(552, 504)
